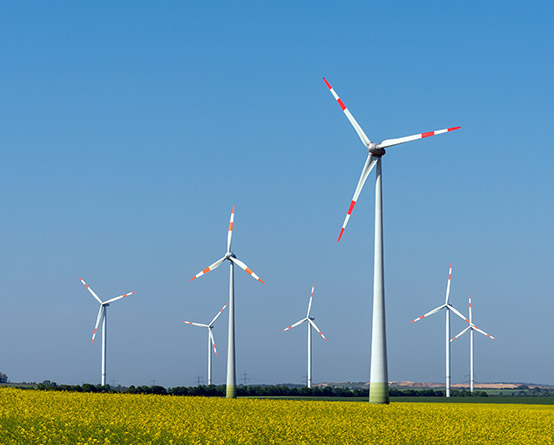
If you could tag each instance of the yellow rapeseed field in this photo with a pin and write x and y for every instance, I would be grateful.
(76, 418)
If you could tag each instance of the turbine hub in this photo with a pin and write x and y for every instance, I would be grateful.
(376, 151)
(232, 255)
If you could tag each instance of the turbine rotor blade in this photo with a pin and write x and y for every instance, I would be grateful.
(91, 291)
(353, 121)
(295, 324)
(201, 325)
(230, 232)
(213, 341)
(317, 329)
(98, 320)
(470, 316)
(461, 333)
(434, 311)
(483, 332)
(120, 297)
(458, 313)
(218, 314)
(209, 268)
(310, 303)
(368, 166)
(448, 285)
(390, 142)
(245, 268)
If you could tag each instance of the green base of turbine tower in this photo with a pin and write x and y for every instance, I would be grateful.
(379, 393)
(231, 392)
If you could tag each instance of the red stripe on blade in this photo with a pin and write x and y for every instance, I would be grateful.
(327, 83)
(341, 104)
(429, 133)
(454, 128)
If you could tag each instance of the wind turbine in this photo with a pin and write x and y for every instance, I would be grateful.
(231, 389)
(311, 324)
(211, 341)
(448, 308)
(379, 384)
(471, 328)
(103, 316)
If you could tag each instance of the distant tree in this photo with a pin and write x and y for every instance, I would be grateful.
(3, 378)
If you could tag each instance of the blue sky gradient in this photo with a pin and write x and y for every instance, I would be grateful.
(129, 130)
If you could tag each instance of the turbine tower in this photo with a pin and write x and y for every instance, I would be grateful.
(448, 308)
(471, 328)
(231, 389)
(379, 384)
(103, 317)
(311, 324)
(211, 341)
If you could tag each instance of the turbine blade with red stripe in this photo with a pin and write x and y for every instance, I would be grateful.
(91, 291)
(434, 311)
(448, 284)
(317, 329)
(245, 268)
(390, 142)
(483, 332)
(310, 303)
(209, 268)
(230, 232)
(458, 313)
(368, 166)
(295, 324)
(355, 124)
(470, 316)
(120, 297)
(98, 320)
(213, 341)
(200, 325)
(461, 333)
(218, 314)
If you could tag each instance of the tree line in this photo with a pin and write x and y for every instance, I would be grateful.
(253, 390)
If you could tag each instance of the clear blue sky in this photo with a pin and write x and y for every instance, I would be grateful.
(128, 131)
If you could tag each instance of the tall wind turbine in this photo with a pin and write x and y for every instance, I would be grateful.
(471, 328)
(379, 384)
(311, 324)
(103, 317)
(231, 389)
(448, 308)
(211, 341)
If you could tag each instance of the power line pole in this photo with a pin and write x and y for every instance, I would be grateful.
(198, 379)
(245, 378)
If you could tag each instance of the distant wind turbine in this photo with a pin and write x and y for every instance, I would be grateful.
(211, 341)
(231, 388)
(311, 324)
(471, 328)
(379, 380)
(448, 308)
(103, 316)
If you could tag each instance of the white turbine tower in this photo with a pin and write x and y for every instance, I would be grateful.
(211, 341)
(103, 316)
(231, 389)
(448, 308)
(379, 384)
(471, 328)
(311, 324)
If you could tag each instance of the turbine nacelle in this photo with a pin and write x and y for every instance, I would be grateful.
(376, 151)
